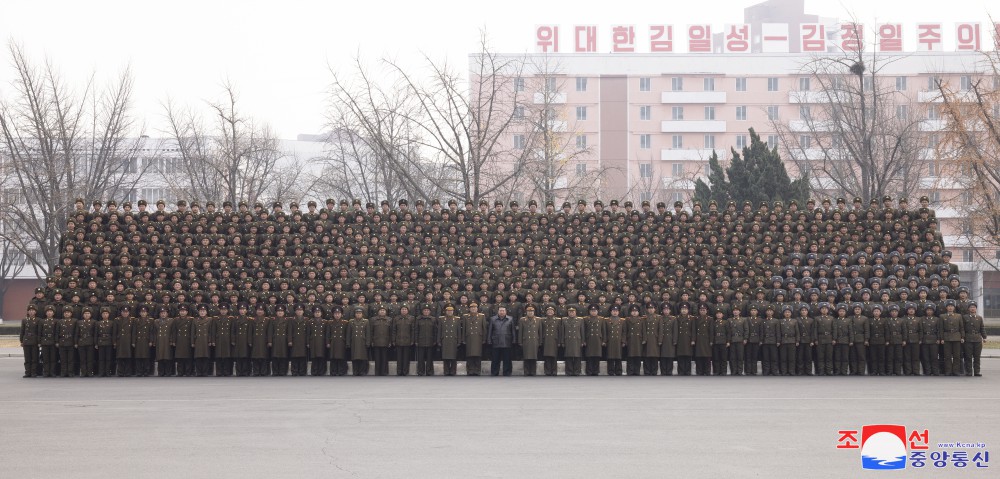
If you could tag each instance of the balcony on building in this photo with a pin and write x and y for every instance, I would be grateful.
(693, 126)
(685, 154)
(688, 97)
(553, 97)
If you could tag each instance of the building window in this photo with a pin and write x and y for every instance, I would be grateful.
(932, 83)
(967, 255)
(741, 141)
(708, 169)
(805, 141)
(645, 112)
(965, 83)
(581, 142)
(935, 198)
(804, 84)
(550, 84)
(677, 141)
(519, 142)
(867, 84)
(932, 169)
(645, 141)
(581, 113)
(837, 142)
(677, 112)
(772, 84)
(741, 84)
(677, 84)
(900, 83)
(772, 141)
(646, 196)
(581, 84)
(518, 112)
(644, 84)
(645, 170)
(772, 112)
(519, 84)
(581, 169)
(932, 112)
(710, 84)
(932, 140)
(709, 112)
(709, 141)
(901, 112)
(741, 113)
(677, 170)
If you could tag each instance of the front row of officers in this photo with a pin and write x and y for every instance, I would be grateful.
(840, 340)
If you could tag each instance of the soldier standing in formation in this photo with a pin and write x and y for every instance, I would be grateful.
(895, 338)
(975, 334)
(316, 329)
(571, 332)
(703, 341)
(755, 323)
(501, 332)
(667, 341)
(651, 341)
(403, 334)
(105, 344)
(930, 339)
(359, 337)
(425, 338)
(66, 340)
(242, 341)
(769, 340)
(259, 353)
(124, 342)
(298, 341)
(182, 342)
(953, 335)
(224, 341)
(86, 343)
(528, 334)
(278, 342)
(473, 332)
(163, 333)
(911, 344)
(635, 339)
(550, 341)
(806, 342)
(685, 340)
(202, 341)
(337, 343)
(29, 341)
(738, 332)
(824, 336)
(381, 339)
(720, 332)
(449, 337)
(594, 331)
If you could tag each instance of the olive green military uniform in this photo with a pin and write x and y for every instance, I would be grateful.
(163, 332)
(975, 334)
(895, 337)
(473, 330)
(259, 353)
(859, 352)
(824, 344)
(667, 341)
(125, 338)
(65, 339)
(550, 340)
(449, 336)
(703, 342)
(86, 345)
(843, 339)
(224, 343)
(769, 341)
(635, 336)
(298, 340)
(337, 343)
(685, 342)
(930, 339)
(144, 342)
(911, 350)
(573, 340)
(278, 341)
(359, 339)
(29, 343)
(105, 344)
(528, 337)
(381, 339)
(953, 335)
(425, 338)
(242, 343)
(316, 329)
(738, 332)
(202, 340)
(651, 343)
(183, 326)
(594, 331)
(403, 334)
(721, 331)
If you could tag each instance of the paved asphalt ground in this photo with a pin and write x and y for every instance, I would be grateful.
(476, 427)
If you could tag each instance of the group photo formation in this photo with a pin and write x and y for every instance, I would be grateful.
(834, 288)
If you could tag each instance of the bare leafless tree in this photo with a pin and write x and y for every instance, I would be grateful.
(858, 136)
(970, 152)
(231, 156)
(60, 144)
(447, 134)
(554, 140)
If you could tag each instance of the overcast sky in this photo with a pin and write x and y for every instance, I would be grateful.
(279, 53)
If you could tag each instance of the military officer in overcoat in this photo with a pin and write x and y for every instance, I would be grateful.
(594, 331)
(29, 341)
(528, 334)
(473, 337)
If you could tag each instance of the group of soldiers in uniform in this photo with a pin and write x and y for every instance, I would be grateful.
(830, 290)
